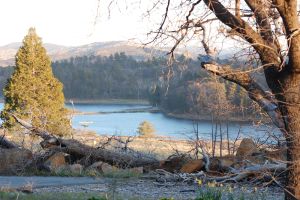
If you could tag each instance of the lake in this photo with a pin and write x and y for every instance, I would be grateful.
(127, 123)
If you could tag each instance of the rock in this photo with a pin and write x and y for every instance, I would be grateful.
(96, 166)
(246, 148)
(28, 188)
(173, 164)
(136, 170)
(56, 162)
(14, 161)
(107, 168)
(76, 168)
(192, 166)
(102, 167)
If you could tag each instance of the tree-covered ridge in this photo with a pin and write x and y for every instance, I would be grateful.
(116, 76)
(32, 92)
(181, 88)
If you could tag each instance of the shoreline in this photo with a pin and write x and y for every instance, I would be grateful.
(134, 110)
(109, 101)
(145, 102)
(203, 117)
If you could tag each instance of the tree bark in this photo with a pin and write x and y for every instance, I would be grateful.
(290, 108)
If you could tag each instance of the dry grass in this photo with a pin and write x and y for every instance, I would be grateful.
(161, 147)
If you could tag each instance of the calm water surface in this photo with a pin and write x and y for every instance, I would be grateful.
(127, 123)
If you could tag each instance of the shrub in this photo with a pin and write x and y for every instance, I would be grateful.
(146, 129)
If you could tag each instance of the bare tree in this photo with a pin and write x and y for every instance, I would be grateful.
(280, 69)
(267, 31)
(271, 29)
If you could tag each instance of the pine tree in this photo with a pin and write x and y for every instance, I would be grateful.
(32, 92)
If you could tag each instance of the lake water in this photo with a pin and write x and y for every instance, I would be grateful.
(127, 123)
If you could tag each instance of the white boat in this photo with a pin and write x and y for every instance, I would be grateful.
(85, 123)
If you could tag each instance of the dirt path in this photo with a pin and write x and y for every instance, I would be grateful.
(132, 188)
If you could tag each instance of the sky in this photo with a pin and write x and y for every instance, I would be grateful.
(69, 22)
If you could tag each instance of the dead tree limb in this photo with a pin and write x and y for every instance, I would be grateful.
(4, 143)
(238, 175)
(79, 150)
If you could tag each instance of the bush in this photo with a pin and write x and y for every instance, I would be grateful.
(146, 129)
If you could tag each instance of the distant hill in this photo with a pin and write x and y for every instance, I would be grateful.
(58, 52)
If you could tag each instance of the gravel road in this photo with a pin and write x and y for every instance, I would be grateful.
(132, 187)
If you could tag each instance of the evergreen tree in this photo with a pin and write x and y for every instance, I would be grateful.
(32, 92)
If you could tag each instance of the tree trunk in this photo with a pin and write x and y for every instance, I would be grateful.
(293, 152)
(293, 155)
(290, 108)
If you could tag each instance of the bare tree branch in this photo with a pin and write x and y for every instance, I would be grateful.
(260, 9)
(255, 92)
(265, 51)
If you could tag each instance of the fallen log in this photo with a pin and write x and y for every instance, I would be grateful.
(79, 150)
(4, 143)
(240, 174)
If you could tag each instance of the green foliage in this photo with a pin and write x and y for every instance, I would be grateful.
(155, 96)
(115, 77)
(210, 194)
(187, 90)
(146, 129)
(32, 92)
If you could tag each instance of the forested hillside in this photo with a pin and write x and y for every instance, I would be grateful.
(116, 76)
(181, 88)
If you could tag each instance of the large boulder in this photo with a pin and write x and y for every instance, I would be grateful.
(15, 160)
(56, 162)
(246, 148)
(192, 166)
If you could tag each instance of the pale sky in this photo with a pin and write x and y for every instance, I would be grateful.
(69, 22)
